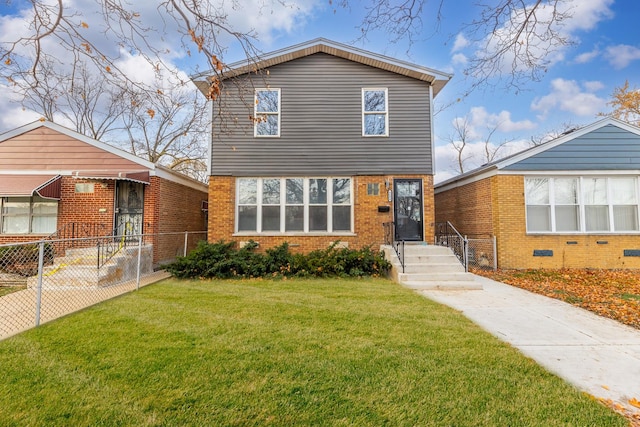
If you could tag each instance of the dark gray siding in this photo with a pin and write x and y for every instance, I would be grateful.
(606, 148)
(321, 123)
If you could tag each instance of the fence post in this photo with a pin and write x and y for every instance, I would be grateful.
(495, 254)
(466, 253)
(40, 272)
(139, 257)
(186, 238)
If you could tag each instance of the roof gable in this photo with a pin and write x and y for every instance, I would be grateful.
(606, 145)
(56, 147)
(609, 147)
(436, 78)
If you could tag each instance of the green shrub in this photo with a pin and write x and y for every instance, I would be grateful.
(222, 260)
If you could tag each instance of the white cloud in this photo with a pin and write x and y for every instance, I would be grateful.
(621, 55)
(593, 86)
(567, 95)
(481, 121)
(459, 59)
(12, 115)
(460, 43)
(585, 57)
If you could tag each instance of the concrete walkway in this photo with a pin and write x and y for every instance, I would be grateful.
(18, 309)
(597, 355)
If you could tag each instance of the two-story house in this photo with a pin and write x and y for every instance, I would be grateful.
(322, 142)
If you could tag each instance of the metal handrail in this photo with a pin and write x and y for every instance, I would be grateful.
(389, 239)
(447, 235)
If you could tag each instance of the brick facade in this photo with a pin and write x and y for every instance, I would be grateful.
(169, 207)
(496, 206)
(368, 228)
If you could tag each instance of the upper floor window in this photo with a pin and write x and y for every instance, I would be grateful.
(582, 204)
(267, 112)
(375, 112)
(24, 215)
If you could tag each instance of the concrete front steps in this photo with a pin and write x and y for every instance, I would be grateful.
(429, 267)
(79, 268)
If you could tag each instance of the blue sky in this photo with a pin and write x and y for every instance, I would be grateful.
(576, 87)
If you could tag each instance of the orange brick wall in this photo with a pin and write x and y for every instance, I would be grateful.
(368, 229)
(467, 208)
(496, 206)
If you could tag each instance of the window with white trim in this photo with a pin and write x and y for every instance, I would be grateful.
(294, 205)
(267, 113)
(585, 204)
(375, 112)
(28, 215)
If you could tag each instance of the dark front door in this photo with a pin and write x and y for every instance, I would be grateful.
(408, 206)
(129, 208)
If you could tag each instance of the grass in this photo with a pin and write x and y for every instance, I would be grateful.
(6, 290)
(611, 293)
(314, 352)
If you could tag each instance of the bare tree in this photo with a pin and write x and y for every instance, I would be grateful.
(81, 99)
(563, 129)
(491, 148)
(171, 131)
(515, 36)
(459, 140)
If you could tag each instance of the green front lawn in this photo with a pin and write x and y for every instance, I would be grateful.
(292, 352)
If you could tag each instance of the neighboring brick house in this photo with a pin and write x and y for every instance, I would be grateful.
(54, 181)
(322, 142)
(569, 203)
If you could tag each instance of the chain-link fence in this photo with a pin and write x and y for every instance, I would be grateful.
(481, 254)
(41, 281)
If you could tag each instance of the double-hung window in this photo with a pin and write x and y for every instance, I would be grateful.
(24, 215)
(294, 205)
(267, 113)
(587, 204)
(375, 112)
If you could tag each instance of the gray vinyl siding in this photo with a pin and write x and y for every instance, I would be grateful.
(321, 123)
(606, 148)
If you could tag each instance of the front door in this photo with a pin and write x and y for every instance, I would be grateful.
(407, 209)
(129, 208)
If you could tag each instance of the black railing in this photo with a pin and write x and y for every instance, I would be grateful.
(390, 239)
(447, 235)
(110, 246)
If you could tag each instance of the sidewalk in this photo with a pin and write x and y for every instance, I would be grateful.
(597, 355)
(17, 310)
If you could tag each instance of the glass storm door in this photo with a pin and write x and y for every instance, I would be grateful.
(129, 208)
(407, 209)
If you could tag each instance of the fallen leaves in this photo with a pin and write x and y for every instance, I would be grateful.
(610, 293)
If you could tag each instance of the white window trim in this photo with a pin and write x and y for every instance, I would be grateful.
(283, 204)
(385, 112)
(30, 215)
(256, 114)
(582, 205)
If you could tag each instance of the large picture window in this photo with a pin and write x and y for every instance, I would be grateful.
(267, 112)
(582, 204)
(375, 112)
(294, 205)
(28, 215)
